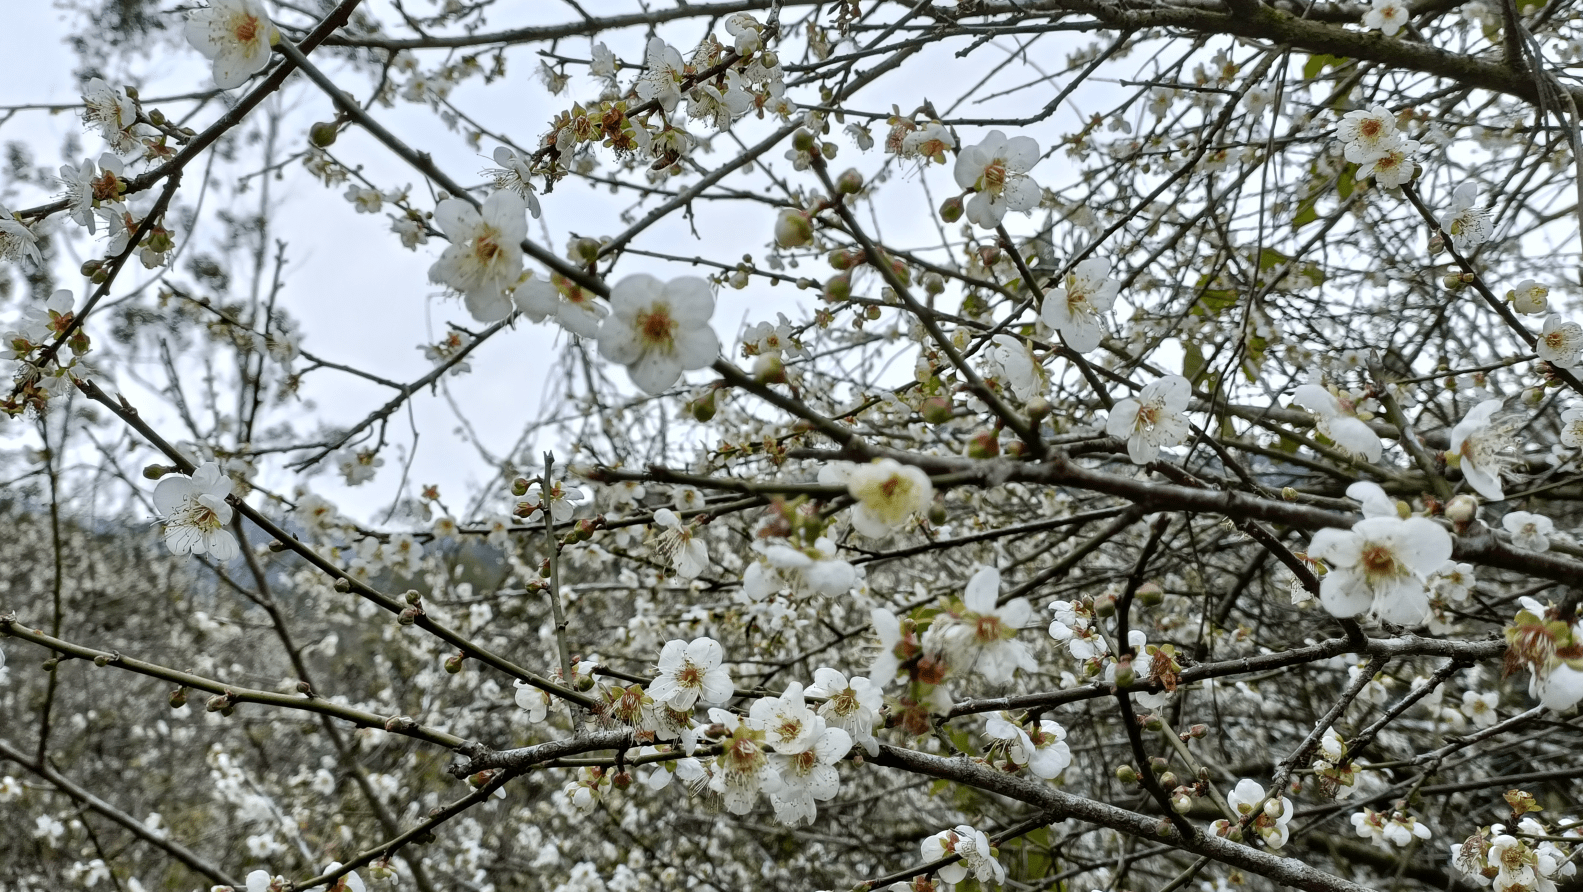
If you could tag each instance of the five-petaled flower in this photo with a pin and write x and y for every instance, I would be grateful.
(997, 171)
(659, 329)
(887, 493)
(1382, 565)
(1153, 419)
(691, 674)
(484, 259)
(235, 35)
(1074, 308)
(195, 512)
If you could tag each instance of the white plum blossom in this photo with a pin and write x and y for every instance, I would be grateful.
(817, 566)
(1530, 298)
(809, 775)
(86, 187)
(1334, 419)
(563, 502)
(1381, 566)
(1529, 531)
(787, 722)
(484, 259)
(1367, 134)
(235, 35)
(16, 240)
(691, 673)
(1480, 446)
(888, 493)
(1393, 166)
(196, 512)
(1011, 360)
(1560, 342)
(1074, 309)
(661, 83)
(720, 105)
(1572, 428)
(850, 704)
(572, 308)
(679, 545)
(983, 637)
(659, 329)
(1073, 626)
(514, 175)
(1480, 708)
(1467, 224)
(1388, 16)
(1044, 751)
(887, 660)
(1453, 581)
(1271, 822)
(532, 699)
(974, 850)
(114, 113)
(1381, 829)
(997, 171)
(602, 62)
(930, 142)
(1153, 419)
(743, 768)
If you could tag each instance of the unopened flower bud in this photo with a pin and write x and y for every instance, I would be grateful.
(178, 698)
(323, 134)
(829, 150)
(802, 141)
(793, 229)
(933, 283)
(154, 472)
(1124, 674)
(408, 616)
(850, 182)
(1038, 409)
(51, 664)
(935, 410)
(1452, 281)
(343, 585)
(703, 409)
(1168, 780)
(1289, 493)
(453, 663)
(1437, 244)
(1462, 508)
(1274, 808)
(101, 660)
(217, 703)
(984, 444)
(842, 259)
(276, 546)
(1158, 764)
(769, 369)
(937, 512)
(1182, 804)
(1198, 732)
(400, 723)
(1150, 594)
(952, 210)
(838, 288)
(1533, 396)
(519, 487)
(412, 597)
(1127, 774)
(89, 267)
(584, 250)
(1151, 722)
(1163, 828)
(305, 688)
(1105, 605)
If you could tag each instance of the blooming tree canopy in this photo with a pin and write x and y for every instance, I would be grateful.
(786, 444)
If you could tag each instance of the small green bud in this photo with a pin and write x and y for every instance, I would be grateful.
(703, 408)
(951, 211)
(1039, 409)
(1168, 780)
(89, 267)
(838, 288)
(154, 472)
(323, 134)
(829, 150)
(453, 663)
(412, 597)
(178, 698)
(408, 616)
(1150, 594)
(1151, 722)
(1105, 605)
(850, 182)
(276, 546)
(982, 445)
(585, 250)
(937, 512)
(343, 585)
(793, 229)
(519, 487)
(802, 141)
(1127, 774)
(933, 283)
(936, 410)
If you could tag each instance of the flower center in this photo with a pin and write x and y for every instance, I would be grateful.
(658, 328)
(845, 702)
(1371, 128)
(1148, 416)
(247, 28)
(994, 176)
(987, 629)
(485, 248)
(789, 728)
(690, 676)
(1379, 560)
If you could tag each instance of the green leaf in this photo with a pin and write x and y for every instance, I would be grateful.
(1305, 214)
(1347, 182)
(1192, 361)
(1269, 258)
(1318, 62)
